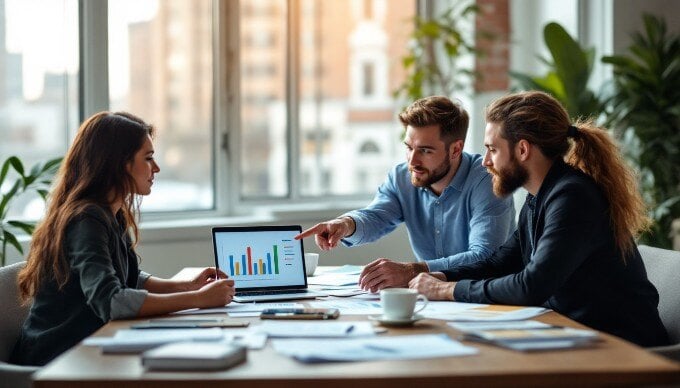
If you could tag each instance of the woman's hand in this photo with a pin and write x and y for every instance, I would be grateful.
(432, 286)
(215, 293)
(206, 276)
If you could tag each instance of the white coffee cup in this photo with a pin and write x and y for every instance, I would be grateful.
(311, 261)
(400, 303)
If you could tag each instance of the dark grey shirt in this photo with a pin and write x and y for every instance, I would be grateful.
(563, 256)
(103, 284)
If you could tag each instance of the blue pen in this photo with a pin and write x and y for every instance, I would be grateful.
(380, 348)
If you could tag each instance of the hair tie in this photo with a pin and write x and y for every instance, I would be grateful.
(572, 132)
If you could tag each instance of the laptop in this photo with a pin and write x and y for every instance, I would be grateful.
(266, 262)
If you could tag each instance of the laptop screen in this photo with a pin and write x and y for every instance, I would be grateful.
(260, 257)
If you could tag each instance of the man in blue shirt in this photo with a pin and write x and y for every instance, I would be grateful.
(444, 196)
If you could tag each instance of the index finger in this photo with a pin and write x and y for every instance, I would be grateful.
(306, 233)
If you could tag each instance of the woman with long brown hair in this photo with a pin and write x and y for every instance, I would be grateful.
(82, 269)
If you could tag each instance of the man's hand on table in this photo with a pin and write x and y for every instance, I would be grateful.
(433, 285)
(386, 273)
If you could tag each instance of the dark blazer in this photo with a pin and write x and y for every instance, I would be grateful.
(101, 263)
(563, 256)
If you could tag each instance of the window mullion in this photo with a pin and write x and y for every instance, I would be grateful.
(293, 97)
(94, 66)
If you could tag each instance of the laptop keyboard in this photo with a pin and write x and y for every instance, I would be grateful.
(269, 292)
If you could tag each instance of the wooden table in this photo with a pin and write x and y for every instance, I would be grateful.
(612, 362)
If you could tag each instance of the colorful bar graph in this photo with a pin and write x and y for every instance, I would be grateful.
(250, 261)
(252, 265)
(269, 262)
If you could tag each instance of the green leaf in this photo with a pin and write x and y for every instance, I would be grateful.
(27, 227)
(12, 240)
(16, 163)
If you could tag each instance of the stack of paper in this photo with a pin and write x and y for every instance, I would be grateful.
(456, 311)
(132, 341)
(526, 335)
(365, 349)
(193, 356)
(316, 329)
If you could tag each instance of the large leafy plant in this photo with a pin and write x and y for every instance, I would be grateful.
(436, 46)
(645, 109)
(37, 179)
(568, 72)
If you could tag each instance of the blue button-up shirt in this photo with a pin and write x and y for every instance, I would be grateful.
(467, 222)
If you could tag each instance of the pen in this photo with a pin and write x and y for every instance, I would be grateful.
(380, 348)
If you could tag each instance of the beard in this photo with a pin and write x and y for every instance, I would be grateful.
(507, 180)
(430, 177)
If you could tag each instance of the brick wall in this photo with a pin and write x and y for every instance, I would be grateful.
(494, 18)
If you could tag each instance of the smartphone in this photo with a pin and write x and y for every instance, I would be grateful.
(293, 313)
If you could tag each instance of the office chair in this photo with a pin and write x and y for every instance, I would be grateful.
(12, 317)
(663, 267)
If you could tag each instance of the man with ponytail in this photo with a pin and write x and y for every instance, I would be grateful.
(574, 248)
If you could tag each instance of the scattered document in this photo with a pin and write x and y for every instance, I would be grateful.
(193, 356)
(346, 269)
(456, 311)
(350, 306)
(240, 309)
(133, 341)
(366, 349)
(279, 329)
(526, 335)
(498, 325)
(334, 280)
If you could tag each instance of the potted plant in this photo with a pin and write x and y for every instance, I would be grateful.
(37, 179)
(645, 110)
(569, 70)
(435, 48)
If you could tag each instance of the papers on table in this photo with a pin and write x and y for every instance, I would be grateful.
(455, 311)
(334, 280)
(240, 309)
(365, 349)
(315, 329)
(346, 269)
(350, 306)
(526, 335)
(132, 341)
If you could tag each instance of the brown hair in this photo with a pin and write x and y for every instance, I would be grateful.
(450, 116)
(540, 119)
(94, 171)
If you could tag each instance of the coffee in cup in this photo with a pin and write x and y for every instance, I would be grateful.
(400, 303)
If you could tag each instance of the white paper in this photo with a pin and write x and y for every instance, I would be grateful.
(456, 311)
(350, 306)
(346, 269)
(366, 349)
(300, 329)
(334, 280)
(131, 340)
(498, 325)
(240, 308)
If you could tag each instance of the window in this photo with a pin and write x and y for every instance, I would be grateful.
(38, 84)
(329, 95)
(160, 68)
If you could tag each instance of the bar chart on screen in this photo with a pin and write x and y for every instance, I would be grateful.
(248, 265)
(260, 258)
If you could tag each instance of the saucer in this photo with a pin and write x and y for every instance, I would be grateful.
(396, 321)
